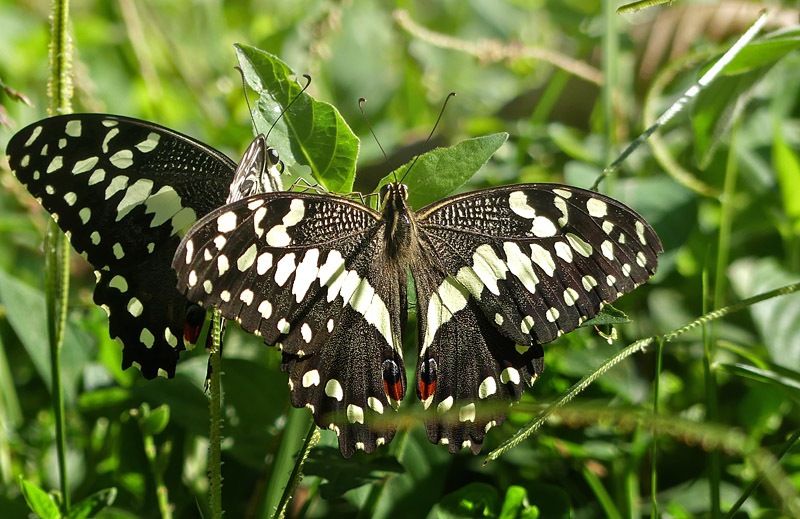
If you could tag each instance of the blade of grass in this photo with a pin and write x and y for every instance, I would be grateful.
(712, 411)
(56, 243)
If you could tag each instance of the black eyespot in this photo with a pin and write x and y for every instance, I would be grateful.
(195, 315)
(272, 156)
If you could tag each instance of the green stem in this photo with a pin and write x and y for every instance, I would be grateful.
(56, 243)
(712, 413)
(298, 421)
(297, 471)
(611, 511)
(215, 413)
(162, 494)
(654, 461)
(756, 482)
(610, 60)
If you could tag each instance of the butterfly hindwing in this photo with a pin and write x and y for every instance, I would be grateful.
(502, 271)
(309, 273)
(124, 190)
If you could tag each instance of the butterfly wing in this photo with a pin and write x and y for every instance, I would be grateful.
(123, 190)
(308, 273)
(523, 264)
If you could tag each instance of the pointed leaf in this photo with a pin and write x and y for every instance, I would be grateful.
(439, 172)
(93, 505)
(311, 133)
(39, 501)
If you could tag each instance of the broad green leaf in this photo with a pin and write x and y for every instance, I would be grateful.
(439, 172)
(475, 500)
(787, 169)
(777, 319)
(764, 52)
(718, 105)
(715, 109)
(39, 501)
(93, 505)
(310, 133)
(515, 505)
(25, 310)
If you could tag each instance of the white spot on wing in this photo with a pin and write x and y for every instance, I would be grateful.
(596, 207)
(518, 202)
(82, 166)
(277, 236)
(310, 378)
(334, 389)
(135, 307)
(122, 159)
(134, 196)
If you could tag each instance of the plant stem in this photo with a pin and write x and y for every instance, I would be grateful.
(215, 414)
(56, 243)
(654, 460)
(297, 422)
(294, 478)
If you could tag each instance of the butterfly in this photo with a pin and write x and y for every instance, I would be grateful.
(124, 191)
(498, 272)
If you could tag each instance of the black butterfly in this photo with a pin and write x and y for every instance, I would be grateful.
(498, 272)
(125, 191)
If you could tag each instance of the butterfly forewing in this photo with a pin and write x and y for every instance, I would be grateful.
(500, 272)
(310, 274)
(124, 190)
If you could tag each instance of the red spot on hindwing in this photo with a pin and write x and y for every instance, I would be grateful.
(392, 380)
(193, 323)
(426, 380)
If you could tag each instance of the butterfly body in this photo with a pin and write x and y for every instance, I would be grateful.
(497, 273)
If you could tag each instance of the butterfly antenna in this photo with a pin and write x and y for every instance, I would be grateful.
(295, 98)
(441, 113)
(247, 99)
(361, 101)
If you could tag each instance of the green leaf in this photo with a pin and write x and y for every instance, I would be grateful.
(153, 422)
(764, 52)
(39, 501)
(439, 172)
(473, 500)
(346, 474)
(777, 319)
(25, 310)
(787, 169)
(311, 133)
(718, 105)
(715, 109)
(608, 315)
(776, 376)
(515, 505)
(93, 505)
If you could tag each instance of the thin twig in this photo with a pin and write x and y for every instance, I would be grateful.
(489, 50)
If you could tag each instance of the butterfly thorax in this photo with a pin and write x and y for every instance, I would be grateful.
(401, 226)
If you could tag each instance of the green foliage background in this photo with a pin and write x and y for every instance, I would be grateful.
(568, 81)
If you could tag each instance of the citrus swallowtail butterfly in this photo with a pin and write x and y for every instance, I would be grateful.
(124, 191)
(498, 272)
